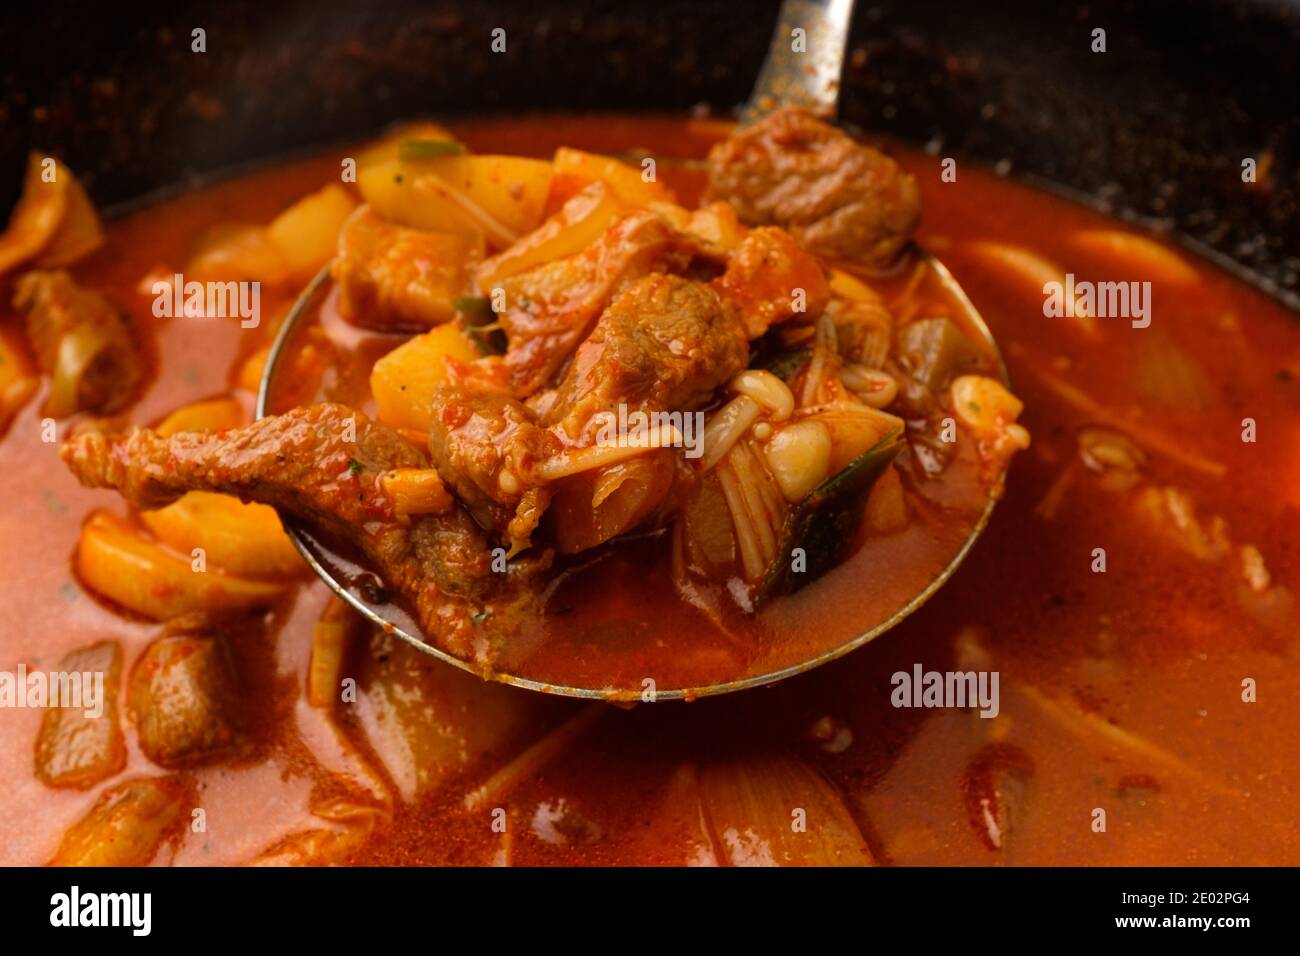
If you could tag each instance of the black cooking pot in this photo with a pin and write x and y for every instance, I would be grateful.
(1157, 127)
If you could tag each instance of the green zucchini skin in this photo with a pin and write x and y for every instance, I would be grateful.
(825, 523)
(476, 311)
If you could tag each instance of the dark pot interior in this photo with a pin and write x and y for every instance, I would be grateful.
(1155, 128)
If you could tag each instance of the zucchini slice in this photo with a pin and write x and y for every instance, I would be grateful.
(826, 522)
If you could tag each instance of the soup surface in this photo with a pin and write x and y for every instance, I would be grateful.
(1133, 593)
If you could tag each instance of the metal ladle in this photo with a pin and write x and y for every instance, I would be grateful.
(809, 79)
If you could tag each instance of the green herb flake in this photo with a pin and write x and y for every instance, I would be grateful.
(471, 304)
(410, 150)
(355, 467)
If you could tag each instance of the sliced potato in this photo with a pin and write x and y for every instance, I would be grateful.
(628, 182)
(213, 415)
(499, 197)
(307, 233)
(404, 380)
(423, 202)
(119, 562)
(236, 252)
(243, 539)
(511, 189)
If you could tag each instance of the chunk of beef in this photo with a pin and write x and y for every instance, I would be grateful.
(78, 747)
(550, 309)
(324, 464)
(82, 341)
(320, 461)
(769, 279)
(185, 701)
(665, 344)
(391, 277)
(485, 444)
(840, 199)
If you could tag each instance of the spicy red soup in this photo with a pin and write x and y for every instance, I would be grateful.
(1133, 593)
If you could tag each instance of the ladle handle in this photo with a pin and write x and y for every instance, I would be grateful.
(803, 68)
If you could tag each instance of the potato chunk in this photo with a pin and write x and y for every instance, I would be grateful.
(242, 539)
(127, 825)
(185, 702)
(238, 252)
(75, 749)
(404, 381)
(307, 232)
(628, 182)
(120, 562)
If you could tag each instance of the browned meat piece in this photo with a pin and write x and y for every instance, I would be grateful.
(391, 277)
(769, 279)
(128, 824)
(75, 749)
(665, 344)
(840, 199)
(324, 463)
(82, 341)
(185, 702)
(550, 309)
(485, 446)
(321, 461)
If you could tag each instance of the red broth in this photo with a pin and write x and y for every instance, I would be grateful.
(1120, 690)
